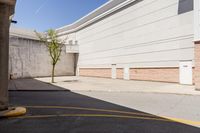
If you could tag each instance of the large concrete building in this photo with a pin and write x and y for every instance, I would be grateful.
(139, 40)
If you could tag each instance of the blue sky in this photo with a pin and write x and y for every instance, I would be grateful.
(41, 15)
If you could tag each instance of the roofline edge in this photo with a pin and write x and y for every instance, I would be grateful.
(81, 26)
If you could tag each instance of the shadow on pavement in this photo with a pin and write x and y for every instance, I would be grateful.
(53, 110)
(30, 84)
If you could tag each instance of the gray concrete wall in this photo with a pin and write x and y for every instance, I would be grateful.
(30, 58)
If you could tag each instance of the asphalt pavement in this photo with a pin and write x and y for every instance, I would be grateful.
(61, 111)
(64, 111)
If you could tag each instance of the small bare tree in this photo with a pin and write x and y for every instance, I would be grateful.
(54, 46)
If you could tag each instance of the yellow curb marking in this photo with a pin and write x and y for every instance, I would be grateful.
(96, 115)
(90, 109)
(184, 121)
(18, 111)
(150, 117)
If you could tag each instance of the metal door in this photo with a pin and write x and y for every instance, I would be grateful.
(114, 73)
(185, 72)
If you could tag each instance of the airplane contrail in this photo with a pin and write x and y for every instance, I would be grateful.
(41, 6)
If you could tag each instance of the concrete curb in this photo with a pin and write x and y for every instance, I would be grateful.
(13, 112)
(152, 92)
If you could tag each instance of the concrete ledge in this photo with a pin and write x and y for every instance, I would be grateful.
(13, 112)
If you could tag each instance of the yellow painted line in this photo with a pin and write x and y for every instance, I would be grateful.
(36, 116)
(184, 121)
(90, 109)
(95, 115)
(141, 115)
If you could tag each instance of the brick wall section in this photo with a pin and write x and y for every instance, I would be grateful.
(155, 74)
(120, 73)
(96, 72)
(147, 74)
(197, 65)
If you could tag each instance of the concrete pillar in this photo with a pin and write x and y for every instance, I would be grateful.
(197, 65)
(6, 10)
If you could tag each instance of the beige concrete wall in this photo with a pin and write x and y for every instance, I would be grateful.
(196, 20)
(30, 58)
(148, 34)
(150, 37)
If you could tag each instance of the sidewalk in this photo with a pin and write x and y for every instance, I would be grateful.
(116, 85)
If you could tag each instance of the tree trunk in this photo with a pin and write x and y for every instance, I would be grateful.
(52, 76)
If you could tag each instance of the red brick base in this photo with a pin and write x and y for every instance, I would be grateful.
(120, 73)
(197, 65)
(155, 74)
(96, 72)
(148, 74)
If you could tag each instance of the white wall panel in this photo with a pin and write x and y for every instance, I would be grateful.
(196, 20)
(148, 34)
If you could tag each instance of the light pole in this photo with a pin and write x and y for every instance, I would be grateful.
(6, 11)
